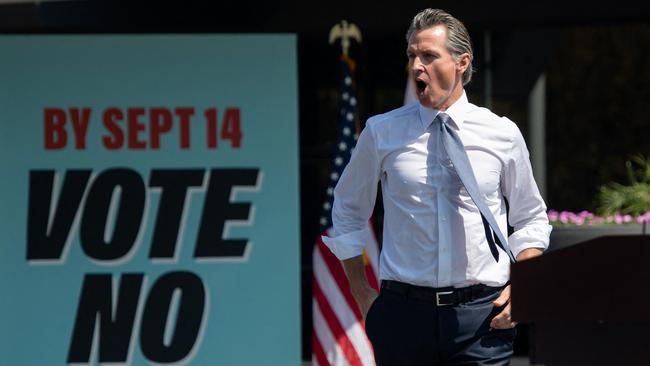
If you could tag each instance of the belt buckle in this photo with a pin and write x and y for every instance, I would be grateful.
(438, 303)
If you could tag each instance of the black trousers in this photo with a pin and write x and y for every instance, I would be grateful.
(411, 332)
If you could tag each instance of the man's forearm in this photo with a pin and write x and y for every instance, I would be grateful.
(356, 273)
(529, 253)
(359, 286)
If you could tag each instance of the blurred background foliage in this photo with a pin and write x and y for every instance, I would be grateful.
(632, 198)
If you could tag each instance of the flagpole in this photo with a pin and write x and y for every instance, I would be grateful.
(338, 336)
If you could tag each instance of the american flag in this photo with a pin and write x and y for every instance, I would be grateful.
(338, 336)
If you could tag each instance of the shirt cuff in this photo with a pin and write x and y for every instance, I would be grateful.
(537, 237)
(348, 245)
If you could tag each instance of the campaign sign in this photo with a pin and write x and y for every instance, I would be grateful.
(149, 200)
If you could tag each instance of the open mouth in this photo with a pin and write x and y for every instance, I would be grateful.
(420, 85)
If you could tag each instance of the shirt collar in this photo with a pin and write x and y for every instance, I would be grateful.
(456, 111)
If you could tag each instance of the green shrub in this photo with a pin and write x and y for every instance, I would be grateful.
(632, 199)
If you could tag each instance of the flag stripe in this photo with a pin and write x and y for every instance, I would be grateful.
(372, 279)
(373, 249)
(372, 252)
(335, 325)
(353, 327)
(336, 269)
(319, 353)
(323, 335)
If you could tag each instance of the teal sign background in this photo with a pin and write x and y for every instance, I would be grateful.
(252, 313)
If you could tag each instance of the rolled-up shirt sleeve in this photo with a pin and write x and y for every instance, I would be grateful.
(354, 199)
(527, 210)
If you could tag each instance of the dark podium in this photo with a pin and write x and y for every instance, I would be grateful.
(587, 304)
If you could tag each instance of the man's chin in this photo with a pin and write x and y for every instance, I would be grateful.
(426, 102)
(439, 102)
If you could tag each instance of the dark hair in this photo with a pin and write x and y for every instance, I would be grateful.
(458, 40)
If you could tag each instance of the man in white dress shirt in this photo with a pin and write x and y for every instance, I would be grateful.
(444, 298)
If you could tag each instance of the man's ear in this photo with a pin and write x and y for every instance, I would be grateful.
(464, 62)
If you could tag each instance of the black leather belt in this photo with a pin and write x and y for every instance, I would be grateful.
(442, 296)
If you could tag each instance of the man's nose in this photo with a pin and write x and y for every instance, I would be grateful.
(416, 64)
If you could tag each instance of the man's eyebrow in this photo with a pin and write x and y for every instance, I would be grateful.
(423, 50)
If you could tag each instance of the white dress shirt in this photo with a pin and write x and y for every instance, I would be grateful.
(433, 234)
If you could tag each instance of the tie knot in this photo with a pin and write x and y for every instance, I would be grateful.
(443, 118)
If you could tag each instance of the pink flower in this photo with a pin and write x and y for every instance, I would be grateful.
(618, 219)
(564, 217)
(643, 218)
(587, 218)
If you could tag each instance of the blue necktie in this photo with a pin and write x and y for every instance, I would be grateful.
(456, 152)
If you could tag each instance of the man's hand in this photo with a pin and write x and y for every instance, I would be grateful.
(365, 296)
(503, 320)
(359, 286)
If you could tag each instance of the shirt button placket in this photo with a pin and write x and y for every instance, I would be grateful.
(444, 269)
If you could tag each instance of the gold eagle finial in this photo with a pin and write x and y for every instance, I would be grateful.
(345, 31)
